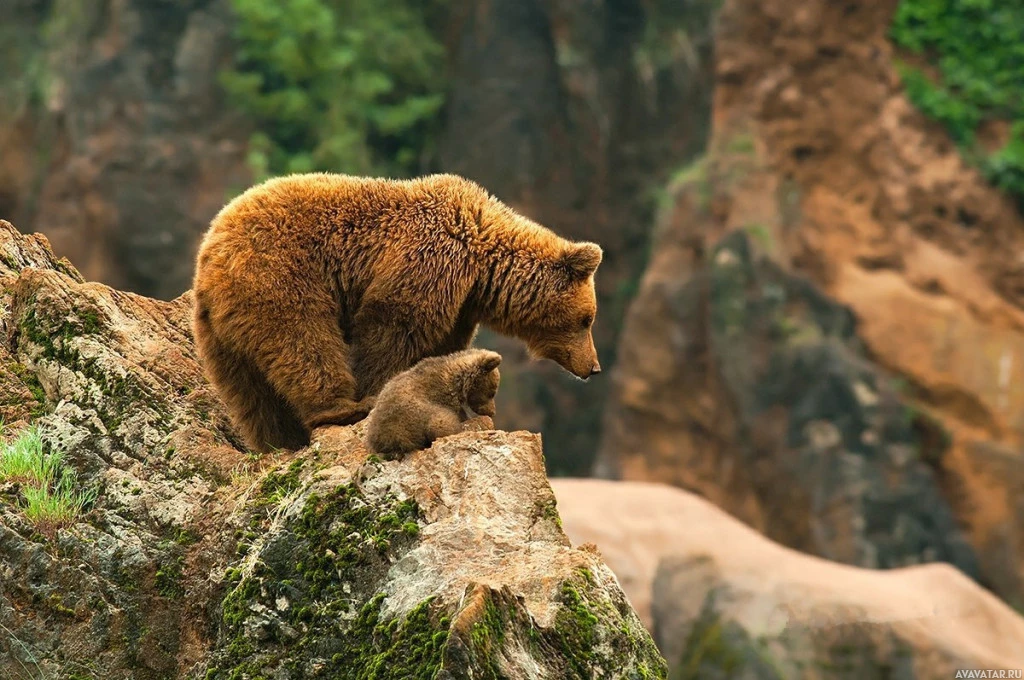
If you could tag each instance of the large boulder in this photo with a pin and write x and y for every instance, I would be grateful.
(725, 602)
(198, 559)
(817, 154)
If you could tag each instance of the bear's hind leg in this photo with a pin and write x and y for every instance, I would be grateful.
(301, 351)
(261, 416)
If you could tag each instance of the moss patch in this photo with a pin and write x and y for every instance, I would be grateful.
(170, 571)
(39, 407)
(56, 338)
(593, 636)
(278, 485)
(308, 605)
(718, 649)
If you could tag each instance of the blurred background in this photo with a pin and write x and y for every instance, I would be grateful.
(812, 300)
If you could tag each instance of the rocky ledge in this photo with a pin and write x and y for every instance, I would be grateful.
(192, 558)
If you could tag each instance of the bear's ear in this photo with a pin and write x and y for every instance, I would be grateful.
(490, 362)
(582, 259)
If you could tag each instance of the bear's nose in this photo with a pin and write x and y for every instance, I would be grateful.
(595, 369)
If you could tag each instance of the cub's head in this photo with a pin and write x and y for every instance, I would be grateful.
(560, 328)
(483, 383)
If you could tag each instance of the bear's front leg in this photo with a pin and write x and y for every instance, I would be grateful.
(478, 424)
(386, 341)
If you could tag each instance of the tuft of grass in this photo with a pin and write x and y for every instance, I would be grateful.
(56, 505)
(22, 461)
(51, 494)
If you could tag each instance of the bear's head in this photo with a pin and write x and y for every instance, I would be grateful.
(483, 384)
(560, 328)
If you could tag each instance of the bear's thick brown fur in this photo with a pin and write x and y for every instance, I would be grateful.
(313, 290)
(428, 401)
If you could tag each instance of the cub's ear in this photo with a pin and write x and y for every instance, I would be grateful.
(489, 362)
(582, 259)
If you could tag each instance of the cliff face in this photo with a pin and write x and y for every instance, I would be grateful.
(573, 113)
(117, 141)
(897, 291)
(192, 558)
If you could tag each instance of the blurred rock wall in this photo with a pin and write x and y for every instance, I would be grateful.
(897, 290)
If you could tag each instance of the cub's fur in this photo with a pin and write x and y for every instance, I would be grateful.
(427, 402)
(313, 290)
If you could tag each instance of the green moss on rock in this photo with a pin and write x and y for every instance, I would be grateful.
(596, 634)
(721, 649)
(307, 602)
(277, 485)
(34, 386)
(592, 636)
(170, 577)
(56, 335)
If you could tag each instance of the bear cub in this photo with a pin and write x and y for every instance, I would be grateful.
(427, 402)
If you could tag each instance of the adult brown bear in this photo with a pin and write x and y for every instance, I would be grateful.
(313, 290)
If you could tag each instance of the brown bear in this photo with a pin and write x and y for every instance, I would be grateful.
(311, 291)
(428, 401)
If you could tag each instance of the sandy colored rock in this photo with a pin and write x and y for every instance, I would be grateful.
(817, 154)
(688, 567)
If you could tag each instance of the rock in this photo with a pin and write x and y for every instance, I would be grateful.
(116, 387)
(818, 156)
(725, 602)
(118, 140)
(423, 569)
(200, 560)
(768, 389)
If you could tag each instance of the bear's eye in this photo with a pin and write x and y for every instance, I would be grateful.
(586, 321)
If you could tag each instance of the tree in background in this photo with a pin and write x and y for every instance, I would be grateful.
(977, 48)
(349, 86)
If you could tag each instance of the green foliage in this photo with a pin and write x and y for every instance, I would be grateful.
(341, 85)
(23, 461)
(57, 504)
(50, 492)
(977, 48)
